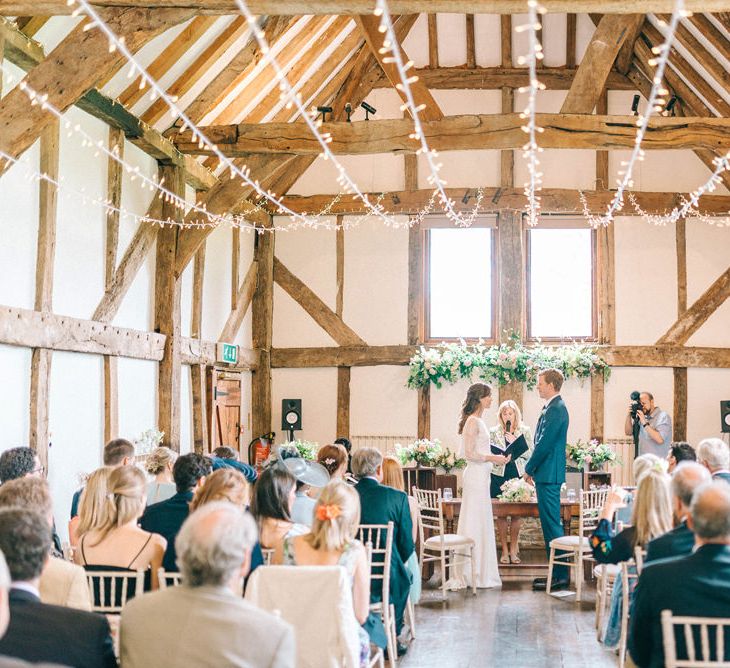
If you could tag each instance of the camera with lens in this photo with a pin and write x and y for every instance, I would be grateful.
(635, 403)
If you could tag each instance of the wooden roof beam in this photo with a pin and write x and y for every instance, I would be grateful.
(28, 54)
(358, 7)
(467, 132)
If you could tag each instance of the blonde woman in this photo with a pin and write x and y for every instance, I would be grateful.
(509, 427)
(91, 505)
(159, 464)
(222, 485)
(393, 477)
(331, 542)
(115, 542)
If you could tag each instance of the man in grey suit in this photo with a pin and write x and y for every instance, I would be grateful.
(204, 622)
(546, 468)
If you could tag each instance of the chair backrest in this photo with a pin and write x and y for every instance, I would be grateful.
(702, 648)
(430, 512)
(317, 602)
(378, 542)
(591, 503)
(167, 579)
(268, 554)
(110, 590)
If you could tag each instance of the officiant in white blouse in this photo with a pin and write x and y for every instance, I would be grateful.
(509, 427)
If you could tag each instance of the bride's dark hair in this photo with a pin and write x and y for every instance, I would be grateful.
(474, 395)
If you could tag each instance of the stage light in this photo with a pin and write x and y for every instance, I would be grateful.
(324, 111)
(635, 105)
(368, 110)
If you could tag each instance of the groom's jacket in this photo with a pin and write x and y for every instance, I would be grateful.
(547, 464)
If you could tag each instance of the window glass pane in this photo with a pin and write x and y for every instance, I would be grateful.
(460, 283)
(561, 283)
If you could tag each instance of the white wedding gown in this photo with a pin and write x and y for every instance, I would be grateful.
(475, 517)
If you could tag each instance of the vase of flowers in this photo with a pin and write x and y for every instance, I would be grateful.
(517, 490)
(147, 441)
(593, 456)
(448, 461)
(307, 449)
(422, 452)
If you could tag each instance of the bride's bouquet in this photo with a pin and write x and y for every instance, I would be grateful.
(517, 490)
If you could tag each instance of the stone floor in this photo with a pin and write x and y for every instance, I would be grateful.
(512, 628)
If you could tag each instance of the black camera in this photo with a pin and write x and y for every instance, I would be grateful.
(635, 403)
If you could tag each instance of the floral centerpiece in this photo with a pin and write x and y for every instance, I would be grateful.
(448, 461)
(307, 449)
(517, 490)
(422, 452)
(593, 453)
(147, 441)
(501, 364)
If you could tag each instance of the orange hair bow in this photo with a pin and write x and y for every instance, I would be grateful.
(328, 512)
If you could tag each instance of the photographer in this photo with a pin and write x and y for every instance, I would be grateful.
(654, 425)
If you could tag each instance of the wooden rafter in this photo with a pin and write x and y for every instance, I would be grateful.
(600, 55)
(71, 69)
(30, 25)
(421, 95)
(554, 200)
(353, 7)
(712, 33)
(167, 59)
(468, 132)
(243, 301)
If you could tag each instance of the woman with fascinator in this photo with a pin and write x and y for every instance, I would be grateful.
(332, 542)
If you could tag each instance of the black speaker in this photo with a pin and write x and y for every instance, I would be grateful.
(725, 416)
(291, 414)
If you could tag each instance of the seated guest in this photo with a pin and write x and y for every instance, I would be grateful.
(38, 631)
(273, 497)
(714, 454)
(117, 543)
(393, 477)
(687, 478)
(696, 585)
(651, 516)
(166, 518)
(310, 477)
(159, 464)
(62, 583)
(119, 452)
(228, 485)
(680, 452)
(222, 485)
(18, 463)
(335, 459)
(331, 543)
(345, 443)
(379, 505)
(92, 505)
(226, 457)
(213, 548)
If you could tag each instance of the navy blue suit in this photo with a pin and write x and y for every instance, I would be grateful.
(547, 468)
(166, 518)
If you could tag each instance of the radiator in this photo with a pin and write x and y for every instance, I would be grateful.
(622, 474)
(386, 444)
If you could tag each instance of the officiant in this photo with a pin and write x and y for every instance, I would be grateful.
(509, 429)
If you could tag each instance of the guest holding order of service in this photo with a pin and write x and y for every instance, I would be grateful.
(509, 427)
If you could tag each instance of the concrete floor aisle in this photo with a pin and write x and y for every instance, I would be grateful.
(509, 628)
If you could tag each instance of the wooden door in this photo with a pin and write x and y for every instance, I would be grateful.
(225, 413)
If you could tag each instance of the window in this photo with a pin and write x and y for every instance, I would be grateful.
(459, 283)
(560, 289)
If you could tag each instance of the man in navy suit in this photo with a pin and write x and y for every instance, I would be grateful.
(546, 468)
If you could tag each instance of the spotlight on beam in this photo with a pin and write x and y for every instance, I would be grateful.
(465, 198)
(635, 105)
(369, 109)
(669, 109)
(324, 111)
(348, 111)
(396, 199)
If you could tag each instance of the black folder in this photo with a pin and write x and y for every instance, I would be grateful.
(517, 448)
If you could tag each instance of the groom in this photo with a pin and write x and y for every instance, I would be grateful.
(546, 468)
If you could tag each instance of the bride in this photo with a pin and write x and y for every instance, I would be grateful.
(475, 517)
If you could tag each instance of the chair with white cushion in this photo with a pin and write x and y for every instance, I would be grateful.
(441, 546)
(706, 641)
(576, 549)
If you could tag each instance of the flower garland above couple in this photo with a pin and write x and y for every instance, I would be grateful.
(501, 364)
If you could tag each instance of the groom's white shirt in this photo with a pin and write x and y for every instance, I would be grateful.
(547, 403)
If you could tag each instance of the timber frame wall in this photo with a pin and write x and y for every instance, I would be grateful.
(44, 332)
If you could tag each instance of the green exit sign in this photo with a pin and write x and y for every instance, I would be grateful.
(227, 352)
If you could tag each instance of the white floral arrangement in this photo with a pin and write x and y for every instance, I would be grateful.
(307, 449)
(516, 490)
(503, 363)
(147, 441)
(423, 452)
